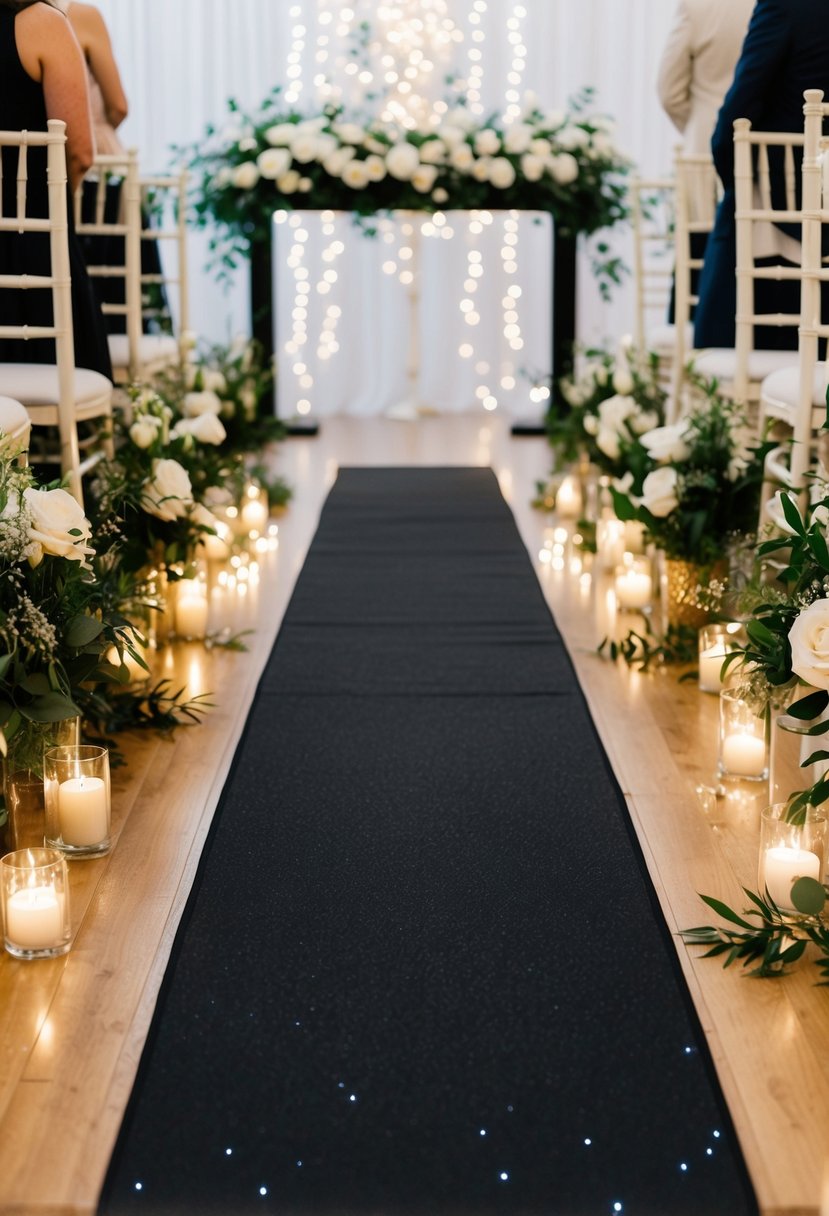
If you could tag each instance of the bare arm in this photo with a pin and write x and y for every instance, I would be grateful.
(49, 53)
(93, 35)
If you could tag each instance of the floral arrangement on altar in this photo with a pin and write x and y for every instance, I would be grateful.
(564, 162)
(612, 402)
(695, 484)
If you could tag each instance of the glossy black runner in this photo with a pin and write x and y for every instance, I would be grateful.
(423, 970)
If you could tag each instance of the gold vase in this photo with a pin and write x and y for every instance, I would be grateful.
(685, 583)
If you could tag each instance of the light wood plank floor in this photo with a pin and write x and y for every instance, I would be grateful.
(72, 1029)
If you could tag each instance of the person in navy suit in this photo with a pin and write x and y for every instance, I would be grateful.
(786, 51)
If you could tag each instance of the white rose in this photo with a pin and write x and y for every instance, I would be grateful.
(206, 428)
(246, 175)
(440, 196)
(541, 147)
(554, 119)
(517, 138)
(205, 402)
(615, 411)
(311, 126)
(600, 374)
(326, 144)
(452, 136)
(402, 161)
(337, 161)
(375, 167)
(659, 494)
(213, 379)
(623, 484)
(433, 152)
(305, 185)
(58, 524)
(223, 178)
(460, 117)
(282, 133)
(809, 641)
(247, 144)
(623, 381)
(273, 162)
(349, 133)
(590, 423)
(532, 167)
(288, 183)
(487, 142)
(572, 137)
(168, 494)
(462, 158)
(564, 168)
(607, 441)
(143, 433)
(667, 443)
(304, 148)
(424, 178)
(375, 146)
(480, 169)
(502, 173)
(355, 175)
(602, 146)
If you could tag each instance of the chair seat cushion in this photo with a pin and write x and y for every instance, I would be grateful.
(14, 419)
(36, 384)
(719, 363)
(152, 349)
(662, 339)
(780, 392)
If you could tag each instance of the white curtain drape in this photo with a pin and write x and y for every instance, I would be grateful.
(181, 61)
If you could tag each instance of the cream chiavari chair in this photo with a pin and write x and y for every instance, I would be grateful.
(56, 395)
(697, 197)
(741, 370)
(165, 208)
(652, 223)
(793, 400)
(135, 355)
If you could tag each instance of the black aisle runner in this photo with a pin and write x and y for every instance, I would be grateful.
(423, 972)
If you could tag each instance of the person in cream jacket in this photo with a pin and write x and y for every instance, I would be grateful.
(697, 65)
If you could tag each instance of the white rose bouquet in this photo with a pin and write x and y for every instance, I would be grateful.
(695, 485)
(602, 411)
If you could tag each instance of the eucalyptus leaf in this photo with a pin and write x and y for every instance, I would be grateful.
(808, 896)
(82, 630)
(54, 707)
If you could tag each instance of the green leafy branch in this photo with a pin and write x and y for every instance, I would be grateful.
(678, 645)
(766, 939)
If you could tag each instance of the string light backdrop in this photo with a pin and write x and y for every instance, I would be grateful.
(181, 62)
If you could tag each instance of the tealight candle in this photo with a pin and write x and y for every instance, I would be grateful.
(781, 867)
(83, 811)
(633, 584)
(568, 499)
(77, 798)
(35, 902)
(191, 614)
(743, 749)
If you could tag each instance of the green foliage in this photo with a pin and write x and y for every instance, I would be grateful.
(764, 939)
(644, 649)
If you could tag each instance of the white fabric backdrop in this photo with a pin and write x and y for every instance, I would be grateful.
(180, 61)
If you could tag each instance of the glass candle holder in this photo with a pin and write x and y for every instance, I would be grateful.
(191, 609)
(744, 739)
(253, 510)
(789, 851)
(34, 893)
(569, 498)
(610, 543)
(77, 794)
(634, 584)
(715, 643)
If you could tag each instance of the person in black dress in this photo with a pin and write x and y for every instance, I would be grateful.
(43, 76)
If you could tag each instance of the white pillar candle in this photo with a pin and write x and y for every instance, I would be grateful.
(568, 499)
(191, 614)
(744, 755)
(610, 542)
(782, 866)
(634, 589)
(710, 667)
(34, 918)
(83, 811)
(255, 515)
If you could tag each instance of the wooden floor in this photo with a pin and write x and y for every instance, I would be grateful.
(72, 1029)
